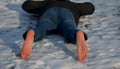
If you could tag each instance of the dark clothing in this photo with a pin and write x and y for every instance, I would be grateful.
(59, 20)
(60, 16)
(77, 9)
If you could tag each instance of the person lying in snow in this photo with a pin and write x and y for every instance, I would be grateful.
(59, 16)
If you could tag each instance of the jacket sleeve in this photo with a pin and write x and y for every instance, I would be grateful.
(86, 8)
(33, 7)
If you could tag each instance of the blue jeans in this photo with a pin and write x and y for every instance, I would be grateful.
(57, 19)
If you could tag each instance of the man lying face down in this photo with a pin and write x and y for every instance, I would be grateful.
(61, 16)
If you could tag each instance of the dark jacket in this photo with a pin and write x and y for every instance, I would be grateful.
(78, 9)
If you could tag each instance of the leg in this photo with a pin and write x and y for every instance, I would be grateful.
(71, 34)
(67, 27)
(31, 36)
(68, 30)
(44, 25)
(47, 23)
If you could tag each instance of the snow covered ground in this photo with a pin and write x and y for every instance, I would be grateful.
(103, 29)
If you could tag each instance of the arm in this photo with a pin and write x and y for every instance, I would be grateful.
(86, 8)
(33, 7)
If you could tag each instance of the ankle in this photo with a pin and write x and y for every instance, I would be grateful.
(30, 36)
(80, 32)
(80, 35)
(31, 32)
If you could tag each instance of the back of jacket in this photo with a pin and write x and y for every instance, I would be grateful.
(38, 7)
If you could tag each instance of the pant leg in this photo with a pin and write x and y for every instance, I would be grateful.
(68, 29)
(46, 23)
(67, 26)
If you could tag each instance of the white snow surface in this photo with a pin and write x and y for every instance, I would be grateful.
(103, 29)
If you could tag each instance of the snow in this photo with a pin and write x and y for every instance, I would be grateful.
(103, 29)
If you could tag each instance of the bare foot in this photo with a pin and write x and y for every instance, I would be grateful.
(27, 46)
(82, 51)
